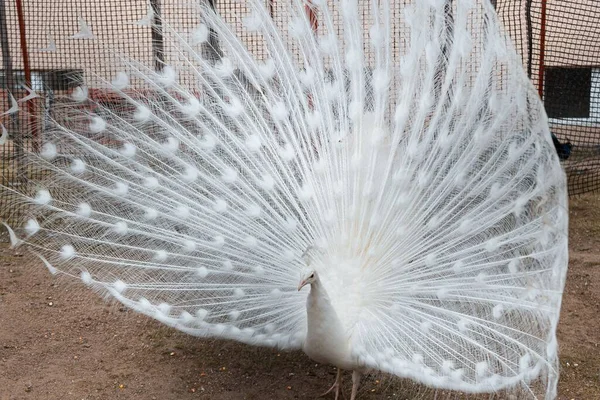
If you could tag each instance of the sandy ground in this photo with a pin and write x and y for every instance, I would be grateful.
(60, 341)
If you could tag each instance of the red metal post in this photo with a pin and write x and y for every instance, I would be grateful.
(314, 24)
(542, 50)
(312, 16)
(32, 126)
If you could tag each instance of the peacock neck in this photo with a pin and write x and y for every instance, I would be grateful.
(318, 292)
(326, 339)
(318, 306)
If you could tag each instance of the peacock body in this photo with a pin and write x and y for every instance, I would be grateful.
(416, 189)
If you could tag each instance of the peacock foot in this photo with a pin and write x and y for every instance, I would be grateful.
(337, 386)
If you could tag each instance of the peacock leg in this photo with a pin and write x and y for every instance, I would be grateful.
(337, 385)
(355, 382)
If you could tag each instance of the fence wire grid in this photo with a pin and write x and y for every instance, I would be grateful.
(54, 45)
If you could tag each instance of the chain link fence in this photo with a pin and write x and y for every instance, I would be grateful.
(51, 46)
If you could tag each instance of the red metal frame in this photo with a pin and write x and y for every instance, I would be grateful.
(542, 50)
(312, 16)
(33, 128)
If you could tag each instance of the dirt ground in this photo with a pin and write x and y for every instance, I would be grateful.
(59, 341)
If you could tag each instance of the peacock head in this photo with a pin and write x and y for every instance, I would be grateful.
(308, 278)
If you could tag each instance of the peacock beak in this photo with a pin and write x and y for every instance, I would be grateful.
(301, 284)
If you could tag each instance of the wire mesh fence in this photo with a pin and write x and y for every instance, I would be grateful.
(52, 46)
(559, 42)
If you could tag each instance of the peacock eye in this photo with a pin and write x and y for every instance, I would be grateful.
(312, 276)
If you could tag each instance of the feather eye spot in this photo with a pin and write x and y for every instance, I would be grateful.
(77, 166)
(182, 211)
(524, 363)
(202, 272)
(253, 22)
(189, 245)
(150, 214)
(513, 266)
(120, 81)
(298, 27)
(253, 143)
(224, 68)
(160, 256)
(32, 227)
(201, 314)
(128, 150)
(259, 270)
(431, 260)
(42, 197)
(191, 108)
(417, 358)
(48, 151)
(251, 242)
(167, 76)
(120, 189)
(186, 318)
(253, 210)
(267, 69)
(142, 113)
(97, 124)
(481, 368)
(328, 44)
(306, 192)
(218, 241)
(425, 326)
(80, 94)
(151, 182)
(199, 35)
(279, 111)
(209, 142)
(497, 311)
(119, 286)
(220, 205)
(171, 145)
(164, 309)
(190, 174)
(84, 210)
(267, 182)
(463, 325)
(120, 227)
(234, 315)
(86, 278)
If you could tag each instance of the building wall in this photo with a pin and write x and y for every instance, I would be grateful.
(572, 35)
(572, 31)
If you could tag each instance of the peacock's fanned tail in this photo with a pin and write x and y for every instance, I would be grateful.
(409, 158)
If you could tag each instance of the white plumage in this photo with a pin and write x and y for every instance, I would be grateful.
(417, 174)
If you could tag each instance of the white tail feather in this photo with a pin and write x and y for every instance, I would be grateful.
(424, 176)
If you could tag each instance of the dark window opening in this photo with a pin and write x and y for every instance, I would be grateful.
(56, 79)
(567, 92)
